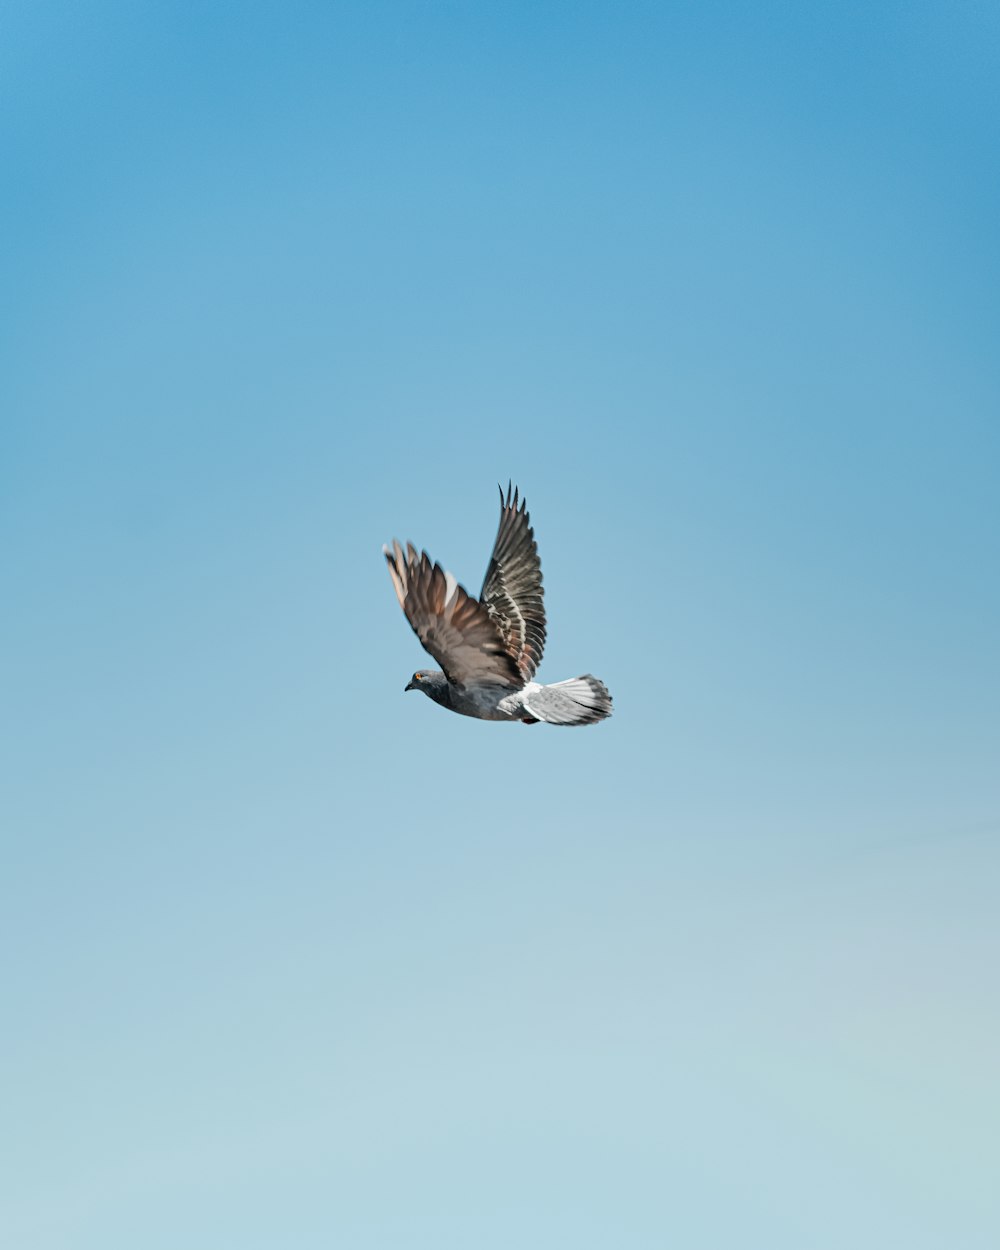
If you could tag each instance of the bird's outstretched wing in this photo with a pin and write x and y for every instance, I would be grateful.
(451, 625)
(512, 589)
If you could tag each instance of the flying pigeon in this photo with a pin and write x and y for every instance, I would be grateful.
(490, 647)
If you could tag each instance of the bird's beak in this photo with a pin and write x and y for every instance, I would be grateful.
(409, 686)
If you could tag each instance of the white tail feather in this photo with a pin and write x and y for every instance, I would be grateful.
(578, 701)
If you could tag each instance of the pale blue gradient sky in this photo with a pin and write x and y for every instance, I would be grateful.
(290, 959)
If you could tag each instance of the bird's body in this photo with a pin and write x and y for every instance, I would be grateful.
(483, 702)
(489, 648)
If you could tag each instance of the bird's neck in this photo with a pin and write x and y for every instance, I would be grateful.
(435, 686)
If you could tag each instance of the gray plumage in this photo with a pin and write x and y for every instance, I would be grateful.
(489, 648)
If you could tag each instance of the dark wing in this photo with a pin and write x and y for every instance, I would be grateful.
(512, 590)
(451, 625)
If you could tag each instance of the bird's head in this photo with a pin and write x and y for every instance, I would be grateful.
(430, 681)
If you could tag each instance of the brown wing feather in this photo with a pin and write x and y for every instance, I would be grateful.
(452, 626)
(512, 589)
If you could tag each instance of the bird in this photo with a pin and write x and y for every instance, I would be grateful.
(489, 648)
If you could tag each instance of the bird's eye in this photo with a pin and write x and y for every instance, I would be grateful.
(417, 677)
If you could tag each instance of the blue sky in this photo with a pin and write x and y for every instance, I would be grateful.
(292, 959)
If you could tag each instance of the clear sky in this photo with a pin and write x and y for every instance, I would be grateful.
(290, 958)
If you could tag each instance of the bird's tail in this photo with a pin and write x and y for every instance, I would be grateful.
(579, 701)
